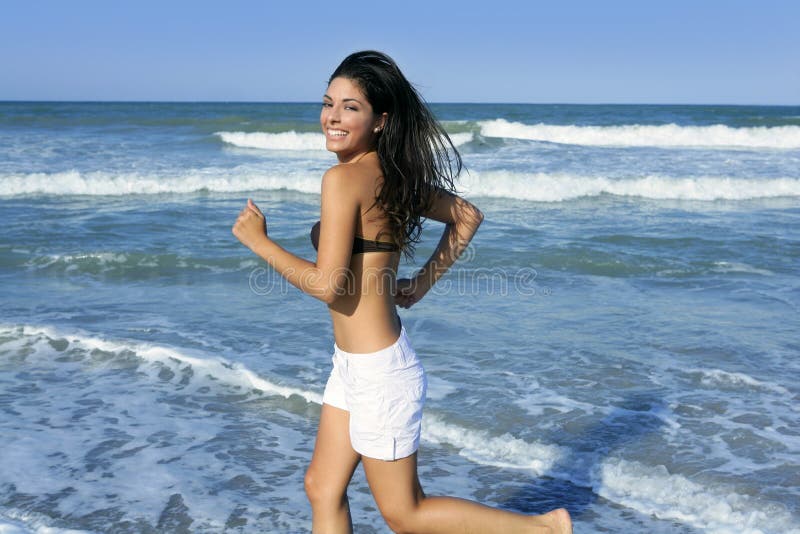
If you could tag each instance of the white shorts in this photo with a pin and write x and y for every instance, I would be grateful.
(384, 392)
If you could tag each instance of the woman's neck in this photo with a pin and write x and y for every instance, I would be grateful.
(354, 157)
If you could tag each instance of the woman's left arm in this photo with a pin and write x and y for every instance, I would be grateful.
(327, 278)
(462, 220)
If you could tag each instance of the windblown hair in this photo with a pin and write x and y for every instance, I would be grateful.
(417, 157)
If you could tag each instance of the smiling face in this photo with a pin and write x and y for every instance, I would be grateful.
(347, 120)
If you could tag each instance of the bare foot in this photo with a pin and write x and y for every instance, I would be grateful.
(553, 522)
(558, 521)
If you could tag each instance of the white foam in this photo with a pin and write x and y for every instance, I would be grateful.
(292, 140)
(105, 262)
(461, 138)
(106, 183)
(216, 369)
(230, 373)
(541, 399)
(543, 187)
(727, 378)
(667, 135)
(737, 267)
(12, 527)
(275, 141)
(439, 388)
(32, 525)
(654, 491)
(499, 451)
(100, 258)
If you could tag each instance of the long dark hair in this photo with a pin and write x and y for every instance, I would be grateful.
(417, 157)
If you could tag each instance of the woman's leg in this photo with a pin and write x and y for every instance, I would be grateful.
(405, 508)
(331, 469)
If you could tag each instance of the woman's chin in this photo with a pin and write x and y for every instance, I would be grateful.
(333, 145)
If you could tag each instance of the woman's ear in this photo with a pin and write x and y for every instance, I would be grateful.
(381, 122)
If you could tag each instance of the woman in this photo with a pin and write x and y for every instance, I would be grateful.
(396, 167)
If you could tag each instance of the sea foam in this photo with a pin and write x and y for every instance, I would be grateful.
(546, 187)
(292, 140)
(533, 186)
(274, 141)
(718, 377)
(109, 183)
(665, 135)
(30, 524)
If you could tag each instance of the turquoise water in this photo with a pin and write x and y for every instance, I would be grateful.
(621, 338)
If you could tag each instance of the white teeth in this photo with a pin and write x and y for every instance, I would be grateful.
(337, 133)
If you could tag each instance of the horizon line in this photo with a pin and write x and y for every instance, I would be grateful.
(94, 101)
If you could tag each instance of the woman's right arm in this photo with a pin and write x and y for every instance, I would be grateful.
(462, 220)
(327, 278)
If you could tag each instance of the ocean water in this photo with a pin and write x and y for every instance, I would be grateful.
(621, 338)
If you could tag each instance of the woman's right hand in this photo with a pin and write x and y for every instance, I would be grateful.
(409, 292)
(251, 226)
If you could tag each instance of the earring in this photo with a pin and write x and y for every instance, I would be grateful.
(377, 130)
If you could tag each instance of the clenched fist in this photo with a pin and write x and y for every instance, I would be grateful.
(250, 226)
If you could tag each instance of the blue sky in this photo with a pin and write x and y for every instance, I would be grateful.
(669, 51)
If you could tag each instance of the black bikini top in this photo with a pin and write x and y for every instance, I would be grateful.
(360, 245)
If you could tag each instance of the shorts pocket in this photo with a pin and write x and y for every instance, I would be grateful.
(407, 400)
(416, 389)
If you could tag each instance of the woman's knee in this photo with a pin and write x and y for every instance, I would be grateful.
(313, 486)
(319, 491)
(401, 520)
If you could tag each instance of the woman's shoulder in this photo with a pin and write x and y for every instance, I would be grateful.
(353, 176)
(344, 185)
(335, 173)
